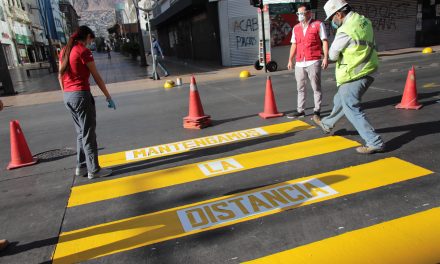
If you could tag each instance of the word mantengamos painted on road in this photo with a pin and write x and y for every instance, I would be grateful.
(219, 212)
(183, 146)
(168, 149)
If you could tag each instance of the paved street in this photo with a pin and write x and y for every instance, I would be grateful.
(244, 189)
(115, 70)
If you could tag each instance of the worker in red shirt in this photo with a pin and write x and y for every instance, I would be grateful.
(309, 40)
(76, 65)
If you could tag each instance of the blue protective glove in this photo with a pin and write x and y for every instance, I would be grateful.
(111, 104)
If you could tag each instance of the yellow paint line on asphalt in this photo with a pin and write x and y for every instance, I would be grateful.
(99, 191)
(407, 240)
(122, 235)
(146, 153)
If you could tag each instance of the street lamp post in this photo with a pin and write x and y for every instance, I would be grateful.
(147, 12)
(141, 42)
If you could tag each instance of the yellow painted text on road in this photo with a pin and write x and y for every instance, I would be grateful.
(146, 153)
(109, 238)
(99, 191)
(407, 240)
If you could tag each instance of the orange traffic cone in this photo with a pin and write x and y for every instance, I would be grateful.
(20, 154)
(196, 118)
(409, 98)
(270, 106)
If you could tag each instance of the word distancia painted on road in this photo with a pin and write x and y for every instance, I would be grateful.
(194, 144)
(259, 202)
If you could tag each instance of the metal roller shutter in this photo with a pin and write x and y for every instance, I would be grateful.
(243, 32)
(394, 21)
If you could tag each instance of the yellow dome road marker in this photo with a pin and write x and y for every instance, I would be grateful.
(134, 232)
(407, 240)
(146, 153)
(99, 191)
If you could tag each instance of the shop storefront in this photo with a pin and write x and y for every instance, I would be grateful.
(22, 41)
(238, 32)
(394, 21)
(6, 40)
(188, 29)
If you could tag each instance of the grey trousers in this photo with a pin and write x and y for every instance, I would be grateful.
(82, 108)
(312, 73)
(160, 65)
(347, 102)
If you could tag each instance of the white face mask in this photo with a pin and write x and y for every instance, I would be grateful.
(301, 18)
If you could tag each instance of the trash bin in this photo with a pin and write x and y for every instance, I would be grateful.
(6, 86)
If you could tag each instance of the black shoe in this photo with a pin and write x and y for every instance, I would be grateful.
(316, 115)
(296, 114)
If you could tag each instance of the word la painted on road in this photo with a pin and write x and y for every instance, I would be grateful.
(216, 213)
(219, 166)
(194, 143)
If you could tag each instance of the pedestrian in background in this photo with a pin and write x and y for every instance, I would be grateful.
(76, 65)
(309, 40)
(108, 49)
(157, 52)
(354, 51)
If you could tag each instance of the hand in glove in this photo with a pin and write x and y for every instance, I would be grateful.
(111, 103)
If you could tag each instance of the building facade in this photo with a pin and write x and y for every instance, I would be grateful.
(37, 51)
(227, 31)
(20, 25)
(6, 37)
(71, 16)
(189, 29)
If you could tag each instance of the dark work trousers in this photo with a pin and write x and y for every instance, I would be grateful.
(82, 107)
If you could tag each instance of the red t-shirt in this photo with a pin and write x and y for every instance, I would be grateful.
(77, 76)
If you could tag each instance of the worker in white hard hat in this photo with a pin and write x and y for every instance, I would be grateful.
(354, 51)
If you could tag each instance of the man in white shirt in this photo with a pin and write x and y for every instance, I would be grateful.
(309, 39)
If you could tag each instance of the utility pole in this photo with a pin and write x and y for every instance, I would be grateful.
(141, 41)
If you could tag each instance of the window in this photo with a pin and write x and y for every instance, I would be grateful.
(2, 14)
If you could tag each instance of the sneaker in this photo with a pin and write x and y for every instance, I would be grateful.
(166, 75)
(81, 171)
(369, 150)
(296, 115)
(317, 120)
(99, 174)
(3, 244)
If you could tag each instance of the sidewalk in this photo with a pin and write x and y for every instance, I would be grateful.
(121, 74)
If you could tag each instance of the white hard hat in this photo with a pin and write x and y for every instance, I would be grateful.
(332, 6)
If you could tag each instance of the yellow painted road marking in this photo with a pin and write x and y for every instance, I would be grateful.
(431, 85)
(407, 240)
(146, 153)
(100, 191)
(109, 238)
